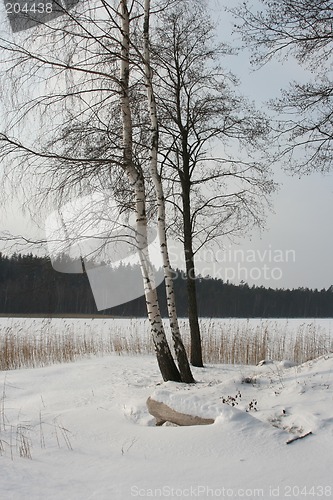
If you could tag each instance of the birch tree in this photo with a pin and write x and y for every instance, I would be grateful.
(83, 65)
(168, 275)
(167, 366)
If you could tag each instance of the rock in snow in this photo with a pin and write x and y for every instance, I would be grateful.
(163, 413)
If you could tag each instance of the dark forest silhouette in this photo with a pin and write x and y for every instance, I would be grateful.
(30, 285)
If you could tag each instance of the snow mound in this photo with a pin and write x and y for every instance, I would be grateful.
(91, 437)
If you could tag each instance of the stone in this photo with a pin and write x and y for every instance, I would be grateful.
(163, 413)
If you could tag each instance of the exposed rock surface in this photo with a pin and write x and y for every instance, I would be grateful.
(163, 413)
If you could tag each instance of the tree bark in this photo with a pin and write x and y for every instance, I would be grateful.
(181, 355)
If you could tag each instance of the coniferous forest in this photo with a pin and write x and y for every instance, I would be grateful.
(30, 285)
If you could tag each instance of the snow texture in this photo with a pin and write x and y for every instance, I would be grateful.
(90, 435)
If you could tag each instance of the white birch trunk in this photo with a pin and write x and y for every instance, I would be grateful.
(180, 351)
(166, 363)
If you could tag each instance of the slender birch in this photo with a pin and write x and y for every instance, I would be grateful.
(180, 351)
(165, 360)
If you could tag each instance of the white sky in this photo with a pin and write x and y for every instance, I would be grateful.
(302, 207)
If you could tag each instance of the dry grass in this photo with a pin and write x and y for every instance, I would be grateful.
(242, 343)
(233, 342)
(19, 438)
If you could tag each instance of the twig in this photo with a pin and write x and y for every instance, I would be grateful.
(298, 437)
(123, 450)
(41, 432)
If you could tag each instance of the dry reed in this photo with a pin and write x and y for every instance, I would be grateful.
(226, 342)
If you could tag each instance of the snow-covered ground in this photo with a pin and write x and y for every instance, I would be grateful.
(90, 435)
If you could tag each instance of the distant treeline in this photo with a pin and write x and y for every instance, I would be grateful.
(30, 285)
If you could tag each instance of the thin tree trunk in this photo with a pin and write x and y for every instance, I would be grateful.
(196, 347)
(165, 360)
(185, 177)
(181, 355)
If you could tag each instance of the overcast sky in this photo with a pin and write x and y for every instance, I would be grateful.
(302, 207)
(296, 248)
